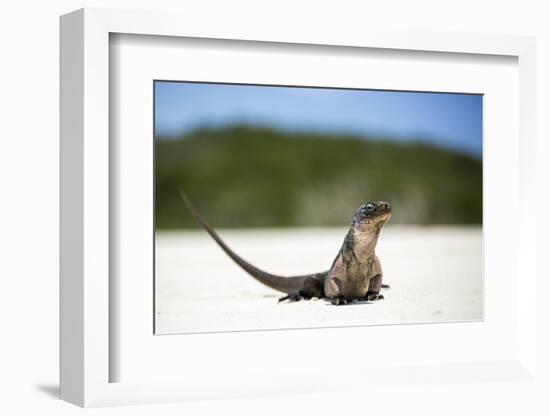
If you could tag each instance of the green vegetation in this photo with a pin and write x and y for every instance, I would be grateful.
(245, 176)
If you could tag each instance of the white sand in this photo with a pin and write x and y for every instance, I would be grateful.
(435, 275)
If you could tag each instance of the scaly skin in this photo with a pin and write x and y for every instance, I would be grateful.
(355, 274)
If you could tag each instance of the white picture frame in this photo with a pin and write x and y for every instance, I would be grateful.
(87, 304)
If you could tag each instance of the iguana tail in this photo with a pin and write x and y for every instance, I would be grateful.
(287, 285)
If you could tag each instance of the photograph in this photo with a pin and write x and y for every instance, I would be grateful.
(293, 207)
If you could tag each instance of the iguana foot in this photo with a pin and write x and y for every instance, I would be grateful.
(292, 297)
(339, 301)
(374, 296)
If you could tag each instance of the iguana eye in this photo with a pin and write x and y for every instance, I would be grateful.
(370, 207)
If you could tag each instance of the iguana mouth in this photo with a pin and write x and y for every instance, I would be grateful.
(372, 214)
(372, 210)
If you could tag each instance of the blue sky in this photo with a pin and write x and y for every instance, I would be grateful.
(449, 120)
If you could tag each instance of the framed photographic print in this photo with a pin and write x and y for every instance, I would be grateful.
(230, 202)
(287, 170)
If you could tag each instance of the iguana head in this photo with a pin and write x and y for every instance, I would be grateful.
(372, 214)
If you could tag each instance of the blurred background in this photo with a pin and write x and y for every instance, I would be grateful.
(263, 156)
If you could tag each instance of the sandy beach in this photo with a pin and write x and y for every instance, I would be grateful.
(435, 275)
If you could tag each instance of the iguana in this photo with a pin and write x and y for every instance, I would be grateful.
(355, 273)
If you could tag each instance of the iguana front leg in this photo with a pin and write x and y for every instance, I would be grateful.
(375, 283)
